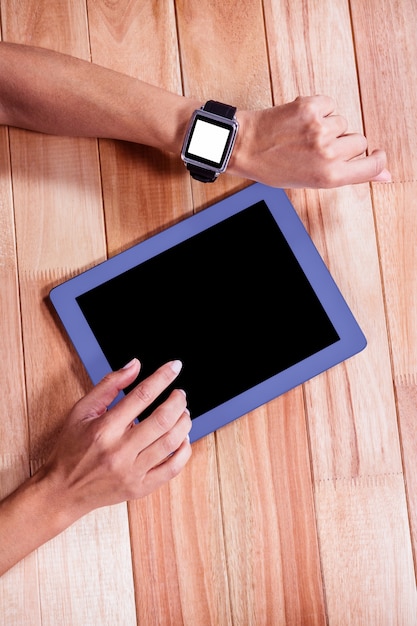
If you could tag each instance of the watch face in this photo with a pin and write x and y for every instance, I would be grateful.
(209, 141)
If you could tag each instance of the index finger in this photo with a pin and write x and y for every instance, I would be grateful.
(142, 396)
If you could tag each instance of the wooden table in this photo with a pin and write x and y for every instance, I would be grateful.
(305, 511)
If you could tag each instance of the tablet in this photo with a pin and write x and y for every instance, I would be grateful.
(238, 292)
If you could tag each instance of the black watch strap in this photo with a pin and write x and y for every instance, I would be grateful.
(201, 174)
(225, 110)
(218, 108)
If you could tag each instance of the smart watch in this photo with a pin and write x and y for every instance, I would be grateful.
(209, 140)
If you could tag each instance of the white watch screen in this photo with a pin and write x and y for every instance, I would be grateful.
(208, 141)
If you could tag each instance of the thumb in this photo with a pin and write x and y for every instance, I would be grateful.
(95, 403)
(380, 161)
(383, 177)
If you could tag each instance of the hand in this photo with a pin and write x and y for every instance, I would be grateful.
(102, 457)
(303, 144)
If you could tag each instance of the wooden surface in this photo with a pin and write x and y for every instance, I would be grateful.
(305, 511)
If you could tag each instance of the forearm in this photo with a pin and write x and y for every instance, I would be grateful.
(303, 143)
(53, 93)
(29, 517)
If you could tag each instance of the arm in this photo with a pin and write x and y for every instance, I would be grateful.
(299, 144)
(54, 93)
(99, 459)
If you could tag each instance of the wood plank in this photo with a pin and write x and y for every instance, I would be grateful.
(397, 232)
(259, 535)
(351, 409)
(19, 598)
(269, 517)
(311, 51)
(19, 595)
(363, 527)
(385, 37)
(60, 26)
(91, 561)
(177, 543)
(50, 360)
(216, 44)
(13, 425)
(144, 191)
(406, 391)
(57, 209)
(341, 225)
(58, 205)
(396, 221)
(223, 52)
(345, 441)
(253, 480)
(139, 39)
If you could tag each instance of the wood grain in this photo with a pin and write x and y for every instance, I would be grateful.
(305, 510)
(385, 32)
(350, 409)
(144, 191)
(254, 542)
(311, 51)
(406, 391)
(13, 426)
(397, 232)
(396, 220)
(385, 35)
(60, 26)
(177, 541)
(363, 533)
(58, 205)
(214, 25)
(58, 176)
(19, 598)
(272, 551)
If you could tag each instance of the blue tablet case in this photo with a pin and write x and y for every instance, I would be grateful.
(237, 292)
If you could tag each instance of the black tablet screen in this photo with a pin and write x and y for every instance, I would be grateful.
(232, 303)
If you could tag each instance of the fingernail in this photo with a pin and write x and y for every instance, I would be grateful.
(130, 364)
(383, 177)
(176, 366)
